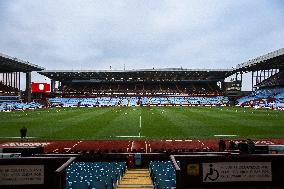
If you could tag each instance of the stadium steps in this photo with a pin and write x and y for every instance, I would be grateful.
(136, 179)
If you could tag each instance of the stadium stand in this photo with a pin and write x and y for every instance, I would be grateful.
(11, 106)
(7, 90)
(274, 80)
(138, 101)
(10, 76)
(138, 82)
(264, 97)
(142, 88)
(9, 99)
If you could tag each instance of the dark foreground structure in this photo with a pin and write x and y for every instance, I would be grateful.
(183, 170)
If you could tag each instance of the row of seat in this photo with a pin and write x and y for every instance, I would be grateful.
(9, 106)
(162, 174)
(94, 175)
(265, 97)
(144, 101)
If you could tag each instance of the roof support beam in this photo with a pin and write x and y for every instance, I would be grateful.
(28, 86)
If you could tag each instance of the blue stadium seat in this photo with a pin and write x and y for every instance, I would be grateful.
(95, 174)
(79, 185)
(275, 95)
(98, 184)
(144, 101)
(162, 174)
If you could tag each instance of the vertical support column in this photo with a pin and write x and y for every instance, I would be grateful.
(28, 86)
(257, 78)
(252, 78)
(6, 79)
(11, 79)
(222, 85)
(19, 83)
(14, 80)
(52, 86)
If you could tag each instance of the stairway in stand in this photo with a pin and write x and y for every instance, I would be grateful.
(136, 179)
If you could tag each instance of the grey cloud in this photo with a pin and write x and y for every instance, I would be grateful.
(91, 34)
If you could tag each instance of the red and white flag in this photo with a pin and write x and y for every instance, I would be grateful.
(40, 87)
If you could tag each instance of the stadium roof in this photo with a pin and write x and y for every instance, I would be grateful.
(12, 64)
(169, 74)
(272, 60)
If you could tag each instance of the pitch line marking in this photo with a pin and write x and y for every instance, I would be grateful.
(19, 137)
(225, 135)
(132, 144)
(130, 136)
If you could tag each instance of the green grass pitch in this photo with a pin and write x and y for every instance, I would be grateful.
(156, 123)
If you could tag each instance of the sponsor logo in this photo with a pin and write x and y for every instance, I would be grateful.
(24, 144)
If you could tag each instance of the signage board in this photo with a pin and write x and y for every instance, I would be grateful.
(236, 171)
(21, 174)
(233, 86)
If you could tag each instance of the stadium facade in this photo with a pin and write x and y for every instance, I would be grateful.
(266, 71)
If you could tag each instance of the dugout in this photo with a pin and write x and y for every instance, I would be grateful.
(229, 171)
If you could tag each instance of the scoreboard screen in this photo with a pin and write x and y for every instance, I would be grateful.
(233, 86)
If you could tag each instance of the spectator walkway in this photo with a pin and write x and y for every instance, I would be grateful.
(136, 179)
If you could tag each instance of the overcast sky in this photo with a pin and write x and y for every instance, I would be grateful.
(89, 34)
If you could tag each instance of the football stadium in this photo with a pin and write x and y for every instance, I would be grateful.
(159, 128)
(135, 123)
